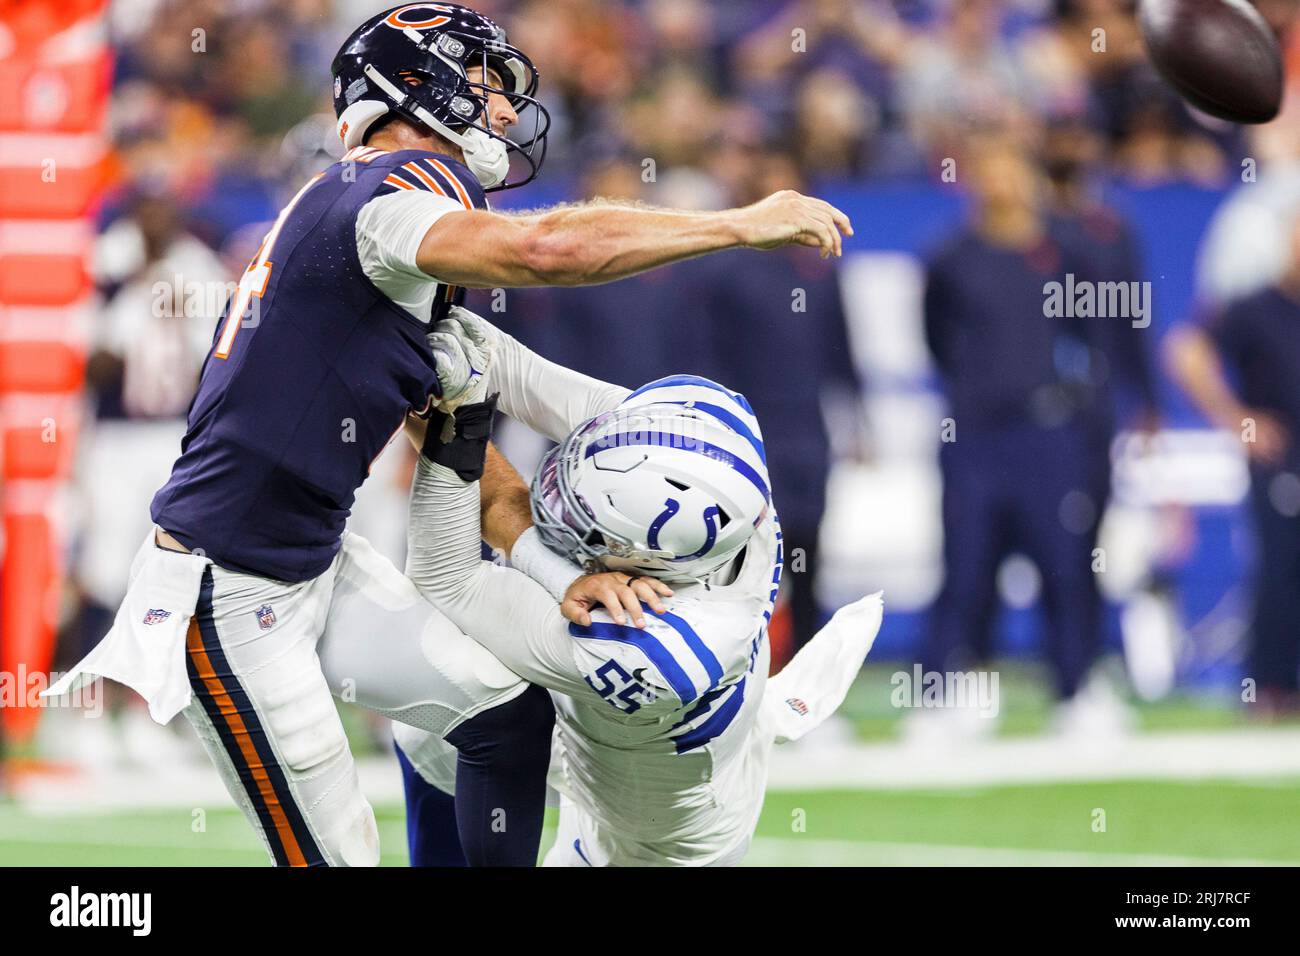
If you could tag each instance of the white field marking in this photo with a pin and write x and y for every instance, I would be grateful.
(1237, 754)
(232, 835)
(194, 784)
(225, 834)
(801, 851)
(1244, 754)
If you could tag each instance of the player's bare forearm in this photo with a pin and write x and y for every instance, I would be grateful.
(591, 243)
(503, 502)
(504, 511)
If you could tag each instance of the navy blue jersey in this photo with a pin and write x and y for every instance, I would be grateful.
(1259, 339)
(312, 371)
(998, 355)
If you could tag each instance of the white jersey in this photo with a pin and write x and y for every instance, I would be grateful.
(662, 739)
(663, 757)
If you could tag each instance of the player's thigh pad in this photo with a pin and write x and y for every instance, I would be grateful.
(388, 649)
(266, 715)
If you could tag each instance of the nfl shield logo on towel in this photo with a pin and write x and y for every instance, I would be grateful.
(265, 617)
(156, 615)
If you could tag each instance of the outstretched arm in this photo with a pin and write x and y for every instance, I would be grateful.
(591, 243)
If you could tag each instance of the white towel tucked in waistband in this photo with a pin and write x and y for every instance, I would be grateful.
(145, 649)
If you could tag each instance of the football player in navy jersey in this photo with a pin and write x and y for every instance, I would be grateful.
(249, 603)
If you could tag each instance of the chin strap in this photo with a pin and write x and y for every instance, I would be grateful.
(487, 157)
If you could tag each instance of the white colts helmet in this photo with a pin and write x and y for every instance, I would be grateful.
(671, 484)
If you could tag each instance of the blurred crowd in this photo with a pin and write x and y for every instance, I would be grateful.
(221, 106)
(220, 110)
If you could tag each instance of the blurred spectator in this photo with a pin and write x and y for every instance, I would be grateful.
(963, 74)
(1090, 57)
(777, 334)
(1022, 463)
(164, 291)
(863, 39)
(1071, 154)
(1243, 370)
(628, 332)
(219, 113)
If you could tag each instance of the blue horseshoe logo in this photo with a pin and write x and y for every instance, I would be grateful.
(671, 507)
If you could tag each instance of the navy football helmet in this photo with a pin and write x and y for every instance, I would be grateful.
(412, 60)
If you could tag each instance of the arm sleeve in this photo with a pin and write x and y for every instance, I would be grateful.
(503, 610)
(390, 229)
(553, 572)
(550, 399)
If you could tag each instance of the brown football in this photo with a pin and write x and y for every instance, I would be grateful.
(1220, 55)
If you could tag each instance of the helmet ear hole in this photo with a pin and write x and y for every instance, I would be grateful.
(724, 519)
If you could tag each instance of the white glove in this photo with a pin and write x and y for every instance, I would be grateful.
(462, 345)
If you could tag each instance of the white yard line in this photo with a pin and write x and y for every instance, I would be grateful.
(226, 834)
(801, 851)
(1242, 754)
(231, 835)
(1246, 754)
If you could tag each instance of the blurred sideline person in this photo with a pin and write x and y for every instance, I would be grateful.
(1071, 153)
(150, 342)
(1025, 464)
(663, 734)
(1242, 369)
(161, 283)
(634, 330)
(724, 316)
(237, 593)
(787, 310)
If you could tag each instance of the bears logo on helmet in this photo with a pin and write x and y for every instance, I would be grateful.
(413, 60)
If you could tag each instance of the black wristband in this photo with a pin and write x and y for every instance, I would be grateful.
(467, 450)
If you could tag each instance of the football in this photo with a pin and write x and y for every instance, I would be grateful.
(1220, 55)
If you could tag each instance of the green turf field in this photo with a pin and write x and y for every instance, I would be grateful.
(1146, 823)
(1199, 811)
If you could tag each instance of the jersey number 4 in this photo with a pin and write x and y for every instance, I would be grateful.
(252, 284)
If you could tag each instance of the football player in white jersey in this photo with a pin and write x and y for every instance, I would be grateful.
(663, 732)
